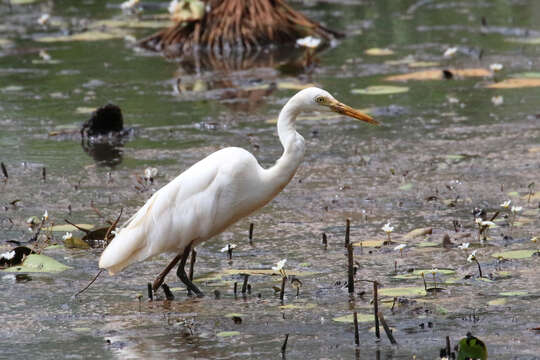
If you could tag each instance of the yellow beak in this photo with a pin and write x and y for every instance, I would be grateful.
(341, 108)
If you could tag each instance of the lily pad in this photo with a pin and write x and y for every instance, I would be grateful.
(437, 74)
(144, 24)
(428, 244)
(430, 271)
(231, 315)
(514, 83)
(39, 263)
(298, 306)
(405, 187)
(228, 333)
(497, 302)
(379, 52)
(535, 75)
(67, 227)
(371, 243)
(350, 318)
(514, 293)
(515, 254)
(263, 272)
(76, 243)
(527, 40)
(84, 36)
(403, 291)
(381, 90)
(419, 232)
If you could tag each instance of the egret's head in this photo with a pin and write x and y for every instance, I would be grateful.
(321, 100)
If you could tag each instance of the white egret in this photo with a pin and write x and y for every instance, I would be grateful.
(215, 193)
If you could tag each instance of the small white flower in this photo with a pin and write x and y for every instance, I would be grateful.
(495, 67)
(450, 51)
(279, 265)
(434, 270)
(150, 173)
(387, 228)
(46, 215)
(506, 204)
(172, 6)
(8, 255)
(478, 220)
(516, 209)
(67, 236)
(497, 100)
(126, 5)
(44, 55)
(309, 42)
(229, 246)
(472, 256)
(400, 247)
(464, 246)
(43, 19)
(489, 224)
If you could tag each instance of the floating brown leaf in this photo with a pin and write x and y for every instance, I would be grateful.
(438, 74)
(516, 83)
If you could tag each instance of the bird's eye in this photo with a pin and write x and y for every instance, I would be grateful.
(319, 99)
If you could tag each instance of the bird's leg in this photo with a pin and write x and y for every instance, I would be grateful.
(181, 273)
(161, 277)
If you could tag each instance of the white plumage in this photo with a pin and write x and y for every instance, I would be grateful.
(216, 191)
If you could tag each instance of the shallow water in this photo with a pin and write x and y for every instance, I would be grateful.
(444, 149)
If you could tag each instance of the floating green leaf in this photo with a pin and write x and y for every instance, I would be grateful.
(406, 187)
(527, 40)
(298, 306)
(379, 52)
(228, 333)
(84, 36)
(38, 263)
(515, 254)
(76, 243)
(514, 293)
(350, 318)
(403, 291)
(526, 75)
(381, 90)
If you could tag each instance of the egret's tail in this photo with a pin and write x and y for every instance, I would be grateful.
(127, 247)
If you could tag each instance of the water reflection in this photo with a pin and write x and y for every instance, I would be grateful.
(106, 152)
(242, 81)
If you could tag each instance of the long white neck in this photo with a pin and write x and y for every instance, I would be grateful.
(293, 146)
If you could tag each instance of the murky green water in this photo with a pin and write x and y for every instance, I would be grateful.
(444, 149)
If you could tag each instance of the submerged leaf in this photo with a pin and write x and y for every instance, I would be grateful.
(39, 263)
(497, 302)
(350, 318)
(514, 293)
(380, 90)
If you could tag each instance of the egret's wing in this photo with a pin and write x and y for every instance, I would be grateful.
(157, 226)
